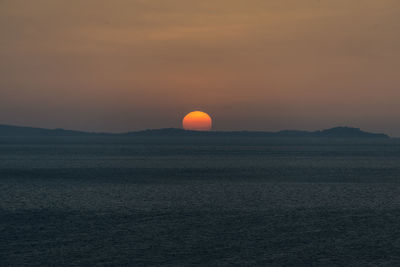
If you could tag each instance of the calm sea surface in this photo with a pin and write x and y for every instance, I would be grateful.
(103, 201)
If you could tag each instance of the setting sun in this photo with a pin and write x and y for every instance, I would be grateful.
(197, 121)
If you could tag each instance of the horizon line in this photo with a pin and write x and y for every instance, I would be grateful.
(193, 131)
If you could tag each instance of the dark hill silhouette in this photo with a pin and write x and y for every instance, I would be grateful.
(11, 130)
(336, 132)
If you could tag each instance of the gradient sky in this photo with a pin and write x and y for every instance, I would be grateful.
(125, 65)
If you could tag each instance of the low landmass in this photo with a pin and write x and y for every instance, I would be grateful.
(336, 132)
(11, 130)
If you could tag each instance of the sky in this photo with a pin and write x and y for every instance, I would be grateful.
(126, 65)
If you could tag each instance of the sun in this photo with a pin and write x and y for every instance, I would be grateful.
(197, 121)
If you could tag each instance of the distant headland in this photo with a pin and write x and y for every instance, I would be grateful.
(336, 132)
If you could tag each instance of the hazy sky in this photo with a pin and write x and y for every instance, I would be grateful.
(124, 65)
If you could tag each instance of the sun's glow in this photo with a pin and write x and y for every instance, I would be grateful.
(197, 121)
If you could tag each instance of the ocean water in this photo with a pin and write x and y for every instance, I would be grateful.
(108, 201)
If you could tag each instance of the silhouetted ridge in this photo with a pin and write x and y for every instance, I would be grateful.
(339, 132)
(347, 132)
(10, 130)
(332, 132)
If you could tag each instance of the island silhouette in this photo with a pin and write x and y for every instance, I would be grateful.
(335, 132)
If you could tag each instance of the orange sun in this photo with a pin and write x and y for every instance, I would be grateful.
(197, 121)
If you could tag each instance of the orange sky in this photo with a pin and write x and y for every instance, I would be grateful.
(251, 64)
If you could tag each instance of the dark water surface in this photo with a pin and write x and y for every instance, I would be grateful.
(102, 201)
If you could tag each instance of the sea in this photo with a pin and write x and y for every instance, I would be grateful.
(199, 201)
